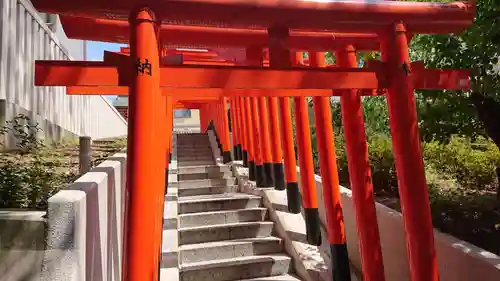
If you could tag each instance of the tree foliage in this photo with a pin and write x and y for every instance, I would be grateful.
(446, 113)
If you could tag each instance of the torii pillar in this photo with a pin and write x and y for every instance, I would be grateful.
(146, 149)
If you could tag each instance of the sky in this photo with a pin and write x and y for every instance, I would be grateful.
(95, 51)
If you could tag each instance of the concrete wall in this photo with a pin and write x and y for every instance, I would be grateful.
(75, 48)
(24, 38)
(85, 226)
(22, 243)
(457, 259)
(191, 124)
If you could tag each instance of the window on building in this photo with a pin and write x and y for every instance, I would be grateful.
(182, 113)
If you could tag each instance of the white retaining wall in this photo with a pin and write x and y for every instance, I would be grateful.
(22, 243)
(85, 226)
(457, 259)
(24, 38)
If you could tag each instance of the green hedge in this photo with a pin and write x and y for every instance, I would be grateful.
(462, 162)
(472, 165)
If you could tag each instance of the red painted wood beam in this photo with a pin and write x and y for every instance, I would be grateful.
(431, 79)
(117, 31)
(211, 94)
(188, 106)
(311, 15)
(194, 53)
(114, 57)
(180, 94)
(207, 94)
(125, 52)
(188, 94)
(204, 61)
(170, 59)
(81, 73)
(76, 73)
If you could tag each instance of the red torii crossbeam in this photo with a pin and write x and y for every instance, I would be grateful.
(117, 31)
(424, 79)
(310, 15)
(77, 73)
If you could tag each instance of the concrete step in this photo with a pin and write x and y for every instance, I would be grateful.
(191, 149)
(204, 169)
(192, 136)
(194, 156)
(229, 231)
(191, 153)
(217, 202)
(222, 217)
(207, 182)
(205, 160)
(202, 176)
(285, 277)
(184, 143)
(187, 142)
(236, 268)
(195, 163)
(194, 152)
(191, 156)
(230, 249)
(191, 145)
(197, 140)
(205, 190)
(187, 139)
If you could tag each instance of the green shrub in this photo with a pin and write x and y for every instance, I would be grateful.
(382, 163)
(342, 163)
(25, 133)
(376, 115)
(460, 163)
(471, 164)
(29, 185)
(27, 178)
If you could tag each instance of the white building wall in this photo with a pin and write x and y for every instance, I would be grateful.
(24, 38)
(192, 121)
(74, 47)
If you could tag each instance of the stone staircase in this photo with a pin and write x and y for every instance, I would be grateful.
(223, 235)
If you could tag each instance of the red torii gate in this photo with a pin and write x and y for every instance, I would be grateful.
(187, 98)
(338, 16)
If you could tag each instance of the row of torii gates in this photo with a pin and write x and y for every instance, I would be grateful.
(258, 92)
